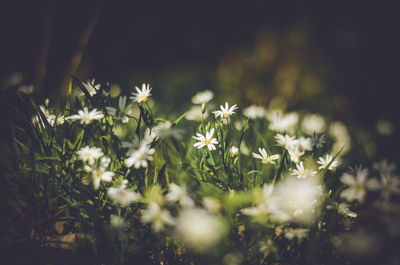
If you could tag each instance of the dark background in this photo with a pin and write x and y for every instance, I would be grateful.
(355, 42)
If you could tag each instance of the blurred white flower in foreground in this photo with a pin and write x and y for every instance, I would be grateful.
(324, 162)
(164, 130)
(89, 154)
(123, 111)
(99, 172)
(122, 195)
(357, 184)
(141, 95)
(202, 97)
(206, 140)
(86, 116)
(295, 200)
(264, 157)
(313, 123)
(179, 194)
(199, 230)
(157, 216)
(226, 111)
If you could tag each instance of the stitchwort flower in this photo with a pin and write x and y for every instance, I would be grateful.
(206, 140)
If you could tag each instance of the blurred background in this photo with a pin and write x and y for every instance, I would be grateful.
(337, 58)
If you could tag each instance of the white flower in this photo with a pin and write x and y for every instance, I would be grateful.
(282, 122)
(313, 123)
(124, 110)
(265, 158)
(263, 203)
(339, 131)
(122, 195)
(343, 208)
(299, 233)
(254, 112)
(177, 193)
(86, 117)
(357, 184)
(385, 168)
(158, 217)
(90, 87)
(116, 221)
(99, 172)
(89, 154)
(324, 162)
(225, 112)
(202, 97)
(389, 185)
(295, 200)
(318, 141)
(199, 230)
(295, 153)
(286, 141)
(234, 151)
(195, 114)
(206, 140)
(26, 89)
(164, 130)
(138, 158)
(301, 172)
(384, 127)
(305, 144)
(141, 95)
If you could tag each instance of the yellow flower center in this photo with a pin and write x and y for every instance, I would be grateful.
(207, 142)
(143, 97)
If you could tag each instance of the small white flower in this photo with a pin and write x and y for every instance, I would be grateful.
(286, 141)
(305, 144)
(357, 184)
(140, 157)
(299, 233)
(26, 89)
(282, 122)
(177, 193)
(90, 87)
(141, 95)
(295, 153)
(99, 172)
(89, 154)
(225, 112)
(158, 217)
(324, 162)
(254, 112)
(264, 157)
(234, 151)
(124, 110)
(301, 172)
(313, 123)
(206, 140)
(318, 141)
(343, 208)
(195, 114)
(122, 195)
(86, 117)
(202, 97)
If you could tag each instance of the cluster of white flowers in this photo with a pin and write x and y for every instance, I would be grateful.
(95, 164)
(51, 118)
